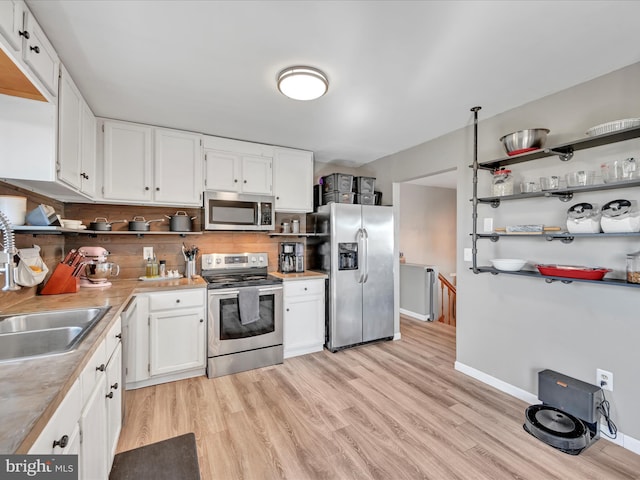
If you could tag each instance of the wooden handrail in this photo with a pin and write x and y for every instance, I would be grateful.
(450, 316)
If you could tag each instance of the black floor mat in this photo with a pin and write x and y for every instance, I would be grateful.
(171, 459)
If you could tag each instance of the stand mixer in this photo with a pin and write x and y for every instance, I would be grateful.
(96, 269)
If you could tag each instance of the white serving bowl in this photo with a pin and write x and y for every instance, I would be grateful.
(508, 264)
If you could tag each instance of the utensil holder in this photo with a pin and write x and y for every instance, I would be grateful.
(190, 268)
(61, 281)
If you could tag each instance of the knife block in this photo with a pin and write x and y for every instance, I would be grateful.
(61, 281)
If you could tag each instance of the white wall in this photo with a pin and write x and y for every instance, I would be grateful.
(511, 327)
(428, 226)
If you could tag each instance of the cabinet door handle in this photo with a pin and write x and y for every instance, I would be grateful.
(287, 309)
(245, 181)
(235, 181)
(25, 34)
(63, 442)
(102, 367)
(35, 49)
(109, 395)
(305, 289)
(157, 189)
(201, 320)
(84, 175)
(146, 188)
(119, 335)
(178, 300)
(114, 386)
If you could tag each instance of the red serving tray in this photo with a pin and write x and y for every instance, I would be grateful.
(573, 271)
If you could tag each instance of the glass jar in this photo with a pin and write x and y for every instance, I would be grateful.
(633, 267)
(502, 183)
(163, 268)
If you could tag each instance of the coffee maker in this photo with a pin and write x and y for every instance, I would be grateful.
(291, 258)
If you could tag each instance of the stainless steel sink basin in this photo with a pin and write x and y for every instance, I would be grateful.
(45, 333)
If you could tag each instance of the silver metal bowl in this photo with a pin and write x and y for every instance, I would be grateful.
(100, 272)
(525, 139)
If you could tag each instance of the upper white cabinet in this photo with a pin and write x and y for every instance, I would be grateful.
(127, 161)
(293, 180)
(135, 171)
(241, 173)
(76, 138)
(178, 167)
(11, 13)
(29, 48)
(39, 54)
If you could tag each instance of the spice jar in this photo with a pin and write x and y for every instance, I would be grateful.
(633, 267)
(502, 183)
(163, 268)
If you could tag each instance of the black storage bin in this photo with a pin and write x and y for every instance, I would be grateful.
(378, 198)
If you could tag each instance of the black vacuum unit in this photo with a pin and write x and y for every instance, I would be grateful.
(568, 418)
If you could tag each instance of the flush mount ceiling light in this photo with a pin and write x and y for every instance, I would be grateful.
(302, 83)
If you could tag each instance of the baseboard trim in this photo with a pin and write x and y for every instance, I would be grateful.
(417, 316)
(625, 441)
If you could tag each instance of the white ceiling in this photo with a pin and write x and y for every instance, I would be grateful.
(400, 72)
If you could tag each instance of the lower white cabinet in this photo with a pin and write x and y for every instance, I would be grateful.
(304, 309)
(88, 420)
(166, 337)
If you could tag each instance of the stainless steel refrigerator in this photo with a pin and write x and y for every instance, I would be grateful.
(357, 254)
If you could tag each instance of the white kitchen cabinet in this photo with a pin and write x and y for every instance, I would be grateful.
(237, 172)
(177, 340)
(88, 420)
(29, 48)
(113, 400)
(76, 164)
(39, 54)
(136, 172)
(11, 13)
(304, 314)
(166, 337)
(93, 427)
(61, 434)
(293, 180)
(178, 167)
(128, 160)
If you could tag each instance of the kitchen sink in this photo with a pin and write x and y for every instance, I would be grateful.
(39, 334)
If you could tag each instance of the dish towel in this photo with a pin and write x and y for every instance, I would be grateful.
(249, 305)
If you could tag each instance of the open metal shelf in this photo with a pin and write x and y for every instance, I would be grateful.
(552, 279)
(564, 148)
(50, 230)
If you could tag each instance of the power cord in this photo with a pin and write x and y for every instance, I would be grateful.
(605, 409)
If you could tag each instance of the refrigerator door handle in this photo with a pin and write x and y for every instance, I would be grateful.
(361, 248)
(365, 254)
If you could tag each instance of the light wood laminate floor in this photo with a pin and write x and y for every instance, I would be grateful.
(392, 410)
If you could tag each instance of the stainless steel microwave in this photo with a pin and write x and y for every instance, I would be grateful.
(236, 211)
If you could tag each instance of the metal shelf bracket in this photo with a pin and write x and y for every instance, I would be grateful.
(495, 203)
(565, 155)
(563, 196)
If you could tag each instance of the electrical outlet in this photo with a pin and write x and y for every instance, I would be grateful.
(147, 252)
(488, 225)
(466, 255)
(604, 379)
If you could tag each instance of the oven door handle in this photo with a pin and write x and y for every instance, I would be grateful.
(237, 292)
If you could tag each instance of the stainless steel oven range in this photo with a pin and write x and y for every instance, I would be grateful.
(244, 313)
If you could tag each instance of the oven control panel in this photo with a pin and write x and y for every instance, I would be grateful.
(233, 260)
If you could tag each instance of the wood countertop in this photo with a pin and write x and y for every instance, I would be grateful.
(306, 275)
(31, 390)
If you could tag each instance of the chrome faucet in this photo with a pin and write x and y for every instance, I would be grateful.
(6, 256)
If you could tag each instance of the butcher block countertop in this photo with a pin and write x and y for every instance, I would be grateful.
(306, 275)
(31, 390)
